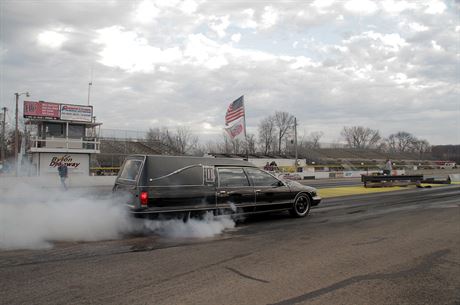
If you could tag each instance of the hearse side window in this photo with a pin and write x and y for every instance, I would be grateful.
(260, 178)
(232, 177)
(188, 176)
(131, 169)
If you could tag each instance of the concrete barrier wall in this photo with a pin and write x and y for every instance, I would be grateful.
(54, 181)
(454, 177)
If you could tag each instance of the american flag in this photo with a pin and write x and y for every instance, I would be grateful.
(235, 110)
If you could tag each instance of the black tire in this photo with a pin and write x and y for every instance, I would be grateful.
(301, 206)
(186, 216)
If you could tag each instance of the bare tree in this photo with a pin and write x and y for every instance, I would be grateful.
(182, 141)
(153, 136)
(401, 141)
(226, 145)
(313, 139)
(360, 137)
(284, 122)
(422, 147)
(251, 144)
(266, 134)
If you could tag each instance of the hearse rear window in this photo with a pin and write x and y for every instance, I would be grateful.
(131, 169)
(232, 177)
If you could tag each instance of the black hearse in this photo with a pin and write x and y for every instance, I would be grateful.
(173, 185)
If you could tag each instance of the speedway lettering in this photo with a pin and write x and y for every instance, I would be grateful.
(66, 159)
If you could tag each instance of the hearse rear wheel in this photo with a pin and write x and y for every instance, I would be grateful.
(186, 216)
(301, 207)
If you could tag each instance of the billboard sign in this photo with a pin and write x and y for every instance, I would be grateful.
(55, 111)
(41, 110)
(76, 113)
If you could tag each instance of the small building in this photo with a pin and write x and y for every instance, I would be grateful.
(60, 133)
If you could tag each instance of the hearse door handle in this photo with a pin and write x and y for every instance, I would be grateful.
(223, 193)
(258, 191)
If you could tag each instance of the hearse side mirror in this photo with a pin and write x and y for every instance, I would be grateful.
(280, 183)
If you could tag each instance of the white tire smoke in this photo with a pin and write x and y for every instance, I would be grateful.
(33, 217)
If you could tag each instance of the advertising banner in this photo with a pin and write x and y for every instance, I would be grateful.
(55, 111)
(41, 110)
(76, 113)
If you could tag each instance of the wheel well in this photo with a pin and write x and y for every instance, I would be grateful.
(304, 193)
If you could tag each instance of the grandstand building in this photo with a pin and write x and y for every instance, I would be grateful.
(333, 160)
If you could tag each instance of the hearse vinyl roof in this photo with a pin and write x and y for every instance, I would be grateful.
(159, 165)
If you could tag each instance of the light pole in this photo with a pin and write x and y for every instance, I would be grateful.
(16, 131)
(2, 152)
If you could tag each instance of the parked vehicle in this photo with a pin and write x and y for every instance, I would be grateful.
(171, 185)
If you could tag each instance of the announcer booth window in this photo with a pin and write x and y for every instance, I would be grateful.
(76, 131)
(55, 130)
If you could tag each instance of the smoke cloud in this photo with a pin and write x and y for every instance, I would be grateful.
(209, 226)
(33, 217)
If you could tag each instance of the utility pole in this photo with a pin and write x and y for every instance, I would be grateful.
(295, 141)
(16, 132)
(2, 152)
(89, 90)
(16, 135)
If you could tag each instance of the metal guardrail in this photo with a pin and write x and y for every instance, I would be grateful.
(384, 180)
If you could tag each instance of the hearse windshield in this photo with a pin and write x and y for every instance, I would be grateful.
(131, 169)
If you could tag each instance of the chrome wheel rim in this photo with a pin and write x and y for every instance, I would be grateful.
(301, 205)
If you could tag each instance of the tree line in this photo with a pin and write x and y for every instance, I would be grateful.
(275, 136)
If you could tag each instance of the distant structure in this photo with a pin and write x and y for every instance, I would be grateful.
(60, 133)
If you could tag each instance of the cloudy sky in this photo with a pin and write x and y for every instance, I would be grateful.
(389, 65)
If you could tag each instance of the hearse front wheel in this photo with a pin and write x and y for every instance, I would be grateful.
(302, 205)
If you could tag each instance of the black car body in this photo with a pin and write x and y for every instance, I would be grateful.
(171, 184)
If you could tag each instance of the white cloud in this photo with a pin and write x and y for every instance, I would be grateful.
(51, 39)
(188, 6)
(299, 62)
(389, 42)
(402, 79)
(236, 37)
(167, 3)
(269, 17)
(219, 25)
(365, 7)
(436, 46)
(125, 50)
(435, 7)
(248, 21)
(397, 6)
(417, 27)
(205, 52)
(321, 4)
(146, 12)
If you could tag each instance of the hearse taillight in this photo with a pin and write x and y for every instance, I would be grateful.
(144, 198)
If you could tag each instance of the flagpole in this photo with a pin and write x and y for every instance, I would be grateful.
(245, 134)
